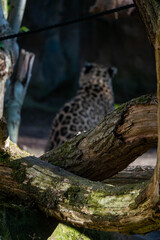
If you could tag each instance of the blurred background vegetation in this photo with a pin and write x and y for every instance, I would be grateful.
(60, 53)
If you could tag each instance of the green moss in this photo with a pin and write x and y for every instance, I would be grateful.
(4, 157)
(145, 99)
(60, 154)
(18, 171)
(72, 194)
(65, 232)
(46, 197)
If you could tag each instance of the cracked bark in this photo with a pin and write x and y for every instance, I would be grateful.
(69, 198)
(118, 140)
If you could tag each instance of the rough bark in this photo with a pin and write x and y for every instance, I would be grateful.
(81, 202)
(73, 199)
(118, 140)
(149, 13)
(65, 232)
(156, 177)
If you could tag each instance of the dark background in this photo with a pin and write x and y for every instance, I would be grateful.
(61, 53)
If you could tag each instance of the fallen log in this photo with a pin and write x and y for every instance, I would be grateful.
(73, 199)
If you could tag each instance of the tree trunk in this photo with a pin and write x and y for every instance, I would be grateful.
(118, 140)
(149, 13)
(15, 93)
(5, 7)
(16, 14)
(6, 67)
(8, 57)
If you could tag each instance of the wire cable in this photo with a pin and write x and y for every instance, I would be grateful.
(69, 22)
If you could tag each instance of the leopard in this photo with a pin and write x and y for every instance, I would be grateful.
(93, 100)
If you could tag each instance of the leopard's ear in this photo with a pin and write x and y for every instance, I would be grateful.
(112, 71)
(87, 68)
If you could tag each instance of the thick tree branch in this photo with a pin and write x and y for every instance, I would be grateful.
(73, 199)
(81, 202)
(118, 140)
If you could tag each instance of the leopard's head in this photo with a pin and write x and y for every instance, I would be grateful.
(93, 73)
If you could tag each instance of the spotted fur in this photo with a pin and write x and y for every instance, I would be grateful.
(93, 100)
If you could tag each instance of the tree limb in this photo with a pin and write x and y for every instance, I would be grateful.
(81, 202)
(118, 140)
(73, 199)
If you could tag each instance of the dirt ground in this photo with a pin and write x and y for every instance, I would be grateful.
(34, 130)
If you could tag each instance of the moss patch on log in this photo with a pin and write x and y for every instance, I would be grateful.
(65, 232)
(18, 170)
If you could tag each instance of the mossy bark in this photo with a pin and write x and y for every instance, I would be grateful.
(75, 200)
(68, 232)
(65, 232)
(118, 140)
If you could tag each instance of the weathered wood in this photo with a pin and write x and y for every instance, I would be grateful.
(65, 232)
(118, 140)
(69, 198)
(156, 177)
(132, 174)
(15, 93)
(73, 199)
(2, 91)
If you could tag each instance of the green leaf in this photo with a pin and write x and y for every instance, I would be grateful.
(24, 29)
(116, 105)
